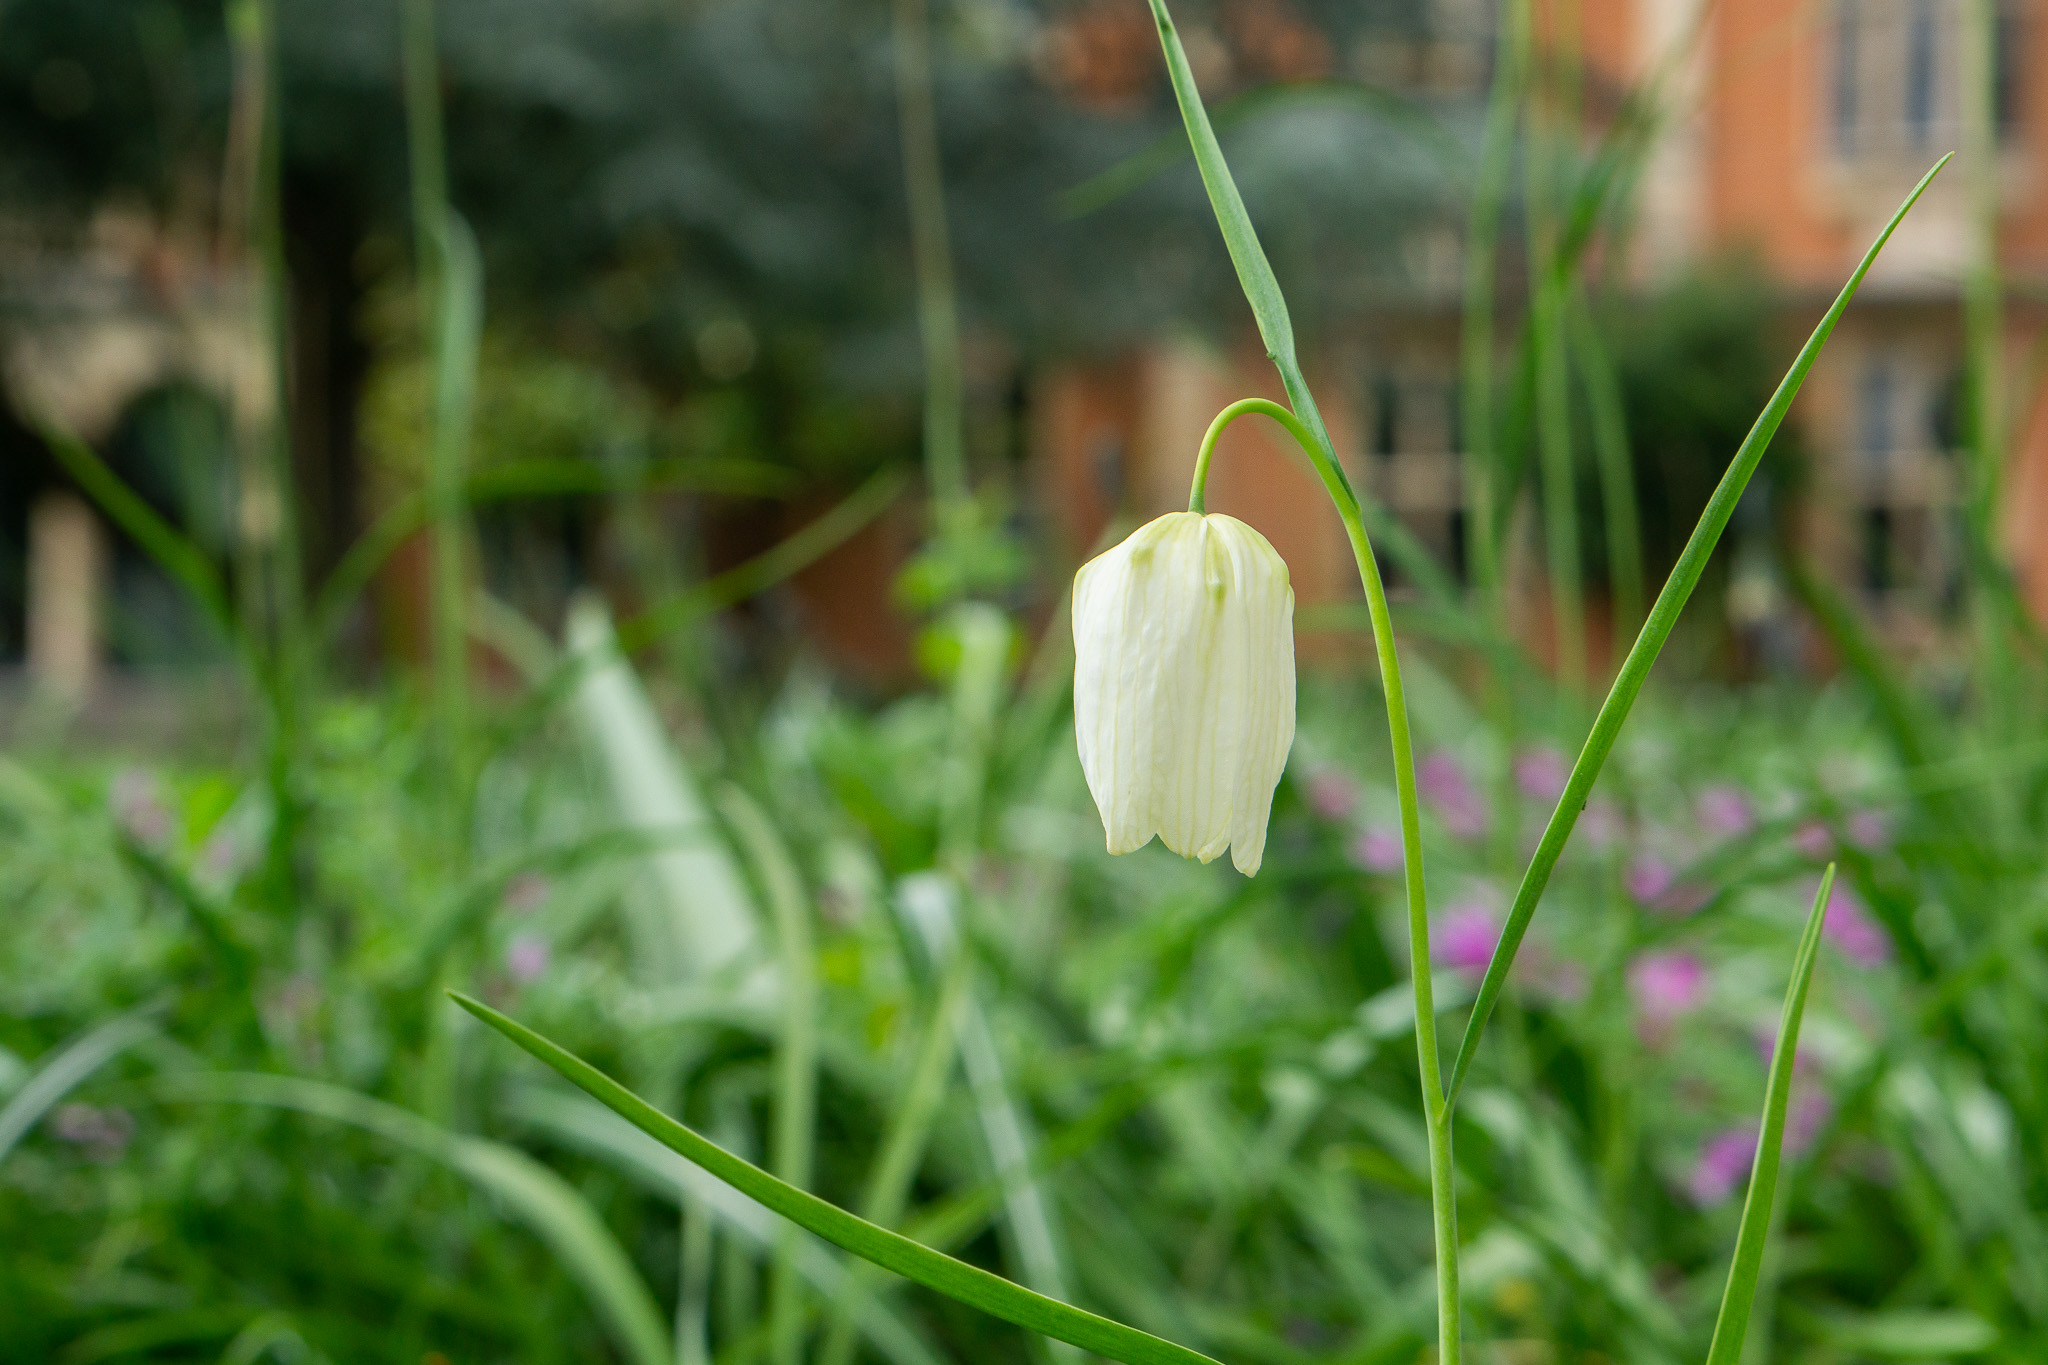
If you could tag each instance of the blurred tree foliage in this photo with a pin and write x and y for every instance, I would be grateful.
(709, 194)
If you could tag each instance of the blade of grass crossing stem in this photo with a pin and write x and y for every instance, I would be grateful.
(169, 547)
(546, 1203)
(1685, 575)
(968, 1284)
(796, 1052)
(1740, 1295)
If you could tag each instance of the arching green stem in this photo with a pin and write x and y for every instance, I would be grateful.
(1436, 1112)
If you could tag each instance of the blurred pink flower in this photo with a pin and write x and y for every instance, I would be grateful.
(526, 892)
(1377, 849)
(1665, 987)
(1653, 884)
(104, 1133)
(1599, 825)
(1450, 793)
(526, 958)
(1723, 810)
(1870, 830)
(1849, 926)
(1542, 773)
(1724, 1159)
(1809, 1113)
(1464, 939)
(1332, 794)
(1545, 975)
(1814, 839)
(1649, 877)
(136, 800)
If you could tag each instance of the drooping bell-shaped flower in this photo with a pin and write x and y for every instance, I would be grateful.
(1184, 685)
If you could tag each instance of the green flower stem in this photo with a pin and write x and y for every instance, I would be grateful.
(796, 1053)
(1617, 474)
(938, 308)
(1436, 1112)
(1635, 669)
(1482, 236)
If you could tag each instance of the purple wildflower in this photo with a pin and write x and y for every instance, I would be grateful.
(1724, 811)
(1653, 884)
(104, 1133)
(1723, 1160)
(1377, 849)
(1849, 926)
(1542, 773)
(1444, 785)
(136, 800)
(1600, 825)
(1465, 938)
(1810, 1112)
(1870, 830)
(1814, 840)
(526, 958)
(1665, 987)
(1650, 878)
(526, 892)
(1332, 794)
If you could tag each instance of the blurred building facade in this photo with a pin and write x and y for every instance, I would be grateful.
(1795, 132)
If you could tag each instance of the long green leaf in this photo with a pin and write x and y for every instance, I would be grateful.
(171, 548)
(971, 1285)
(541, 1199)
(1635, 670)
(1740, 1295)
(62, 1073)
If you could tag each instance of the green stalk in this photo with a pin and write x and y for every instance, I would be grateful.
(1482, 251)
(1983, 365)
(426, 149)
(971, 1285)
(449, 281)
(1635, 670)
(1617, 473)
(1740, 1295)
(1553, 395)
(1436, 1111)
(458, 334)
(938, 309)
(796, 1055)
(1305, 424)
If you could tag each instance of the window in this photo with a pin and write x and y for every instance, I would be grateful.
(1846, 81)
(1920, 74)
(2005, 91)
(1893, 83)
(1876, 435)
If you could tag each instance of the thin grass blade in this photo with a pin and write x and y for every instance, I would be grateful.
(970, 1285)
(1635, 670)
(171, 548)
(1740, 1295)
